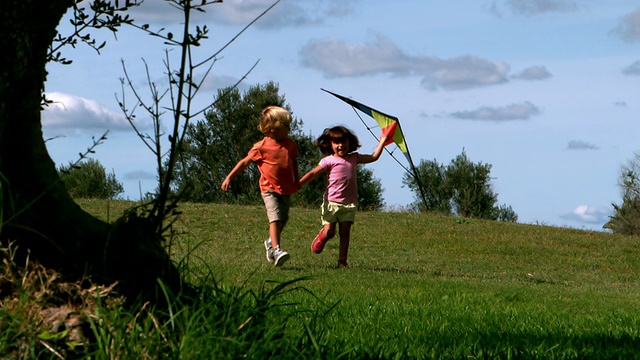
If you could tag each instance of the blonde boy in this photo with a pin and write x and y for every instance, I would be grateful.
(276, 157)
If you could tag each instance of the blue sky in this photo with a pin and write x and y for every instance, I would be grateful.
(543, 90)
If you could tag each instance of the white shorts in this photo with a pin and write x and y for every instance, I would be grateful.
(333, 212)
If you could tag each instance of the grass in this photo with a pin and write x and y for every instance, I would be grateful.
(419, 286)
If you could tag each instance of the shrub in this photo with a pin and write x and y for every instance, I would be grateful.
(89, 179)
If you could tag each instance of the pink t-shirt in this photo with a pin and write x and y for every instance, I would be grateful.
(275, 160)
(341, 174)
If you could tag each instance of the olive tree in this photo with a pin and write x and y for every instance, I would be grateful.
(462, 188)
(38, 214)
(626, 217)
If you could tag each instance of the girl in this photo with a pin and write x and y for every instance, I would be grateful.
(341, 196)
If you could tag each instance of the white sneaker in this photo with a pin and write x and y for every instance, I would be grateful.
(267, 246)
(279, 256)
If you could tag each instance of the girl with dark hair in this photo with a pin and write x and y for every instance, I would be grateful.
(341, 196)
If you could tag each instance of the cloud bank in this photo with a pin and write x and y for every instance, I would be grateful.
(633, 69)
(73, 113)
(581, 145)
(336, 58)
(628, 28)
(242, 12)
(533, 73)
(533, 7)
(521, 111)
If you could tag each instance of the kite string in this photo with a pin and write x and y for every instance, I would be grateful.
(377, 139)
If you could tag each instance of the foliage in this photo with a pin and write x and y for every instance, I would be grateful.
(369, 190)
(462, 188)
(102, 15)
(471, 187)
(504, 212)
(626, 217)
(213, 146)
(437, 193)
(88, 179)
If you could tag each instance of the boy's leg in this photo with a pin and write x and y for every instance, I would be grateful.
(345, 238)
(279, 256)
(278, 213)
(275, 229)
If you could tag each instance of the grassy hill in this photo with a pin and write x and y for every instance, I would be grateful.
(427, 286)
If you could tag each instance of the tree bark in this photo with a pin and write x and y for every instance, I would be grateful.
(38, 215)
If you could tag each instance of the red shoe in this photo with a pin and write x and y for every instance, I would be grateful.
(342, 263)
(318, 243)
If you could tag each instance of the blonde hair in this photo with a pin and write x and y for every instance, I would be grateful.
(273, 117)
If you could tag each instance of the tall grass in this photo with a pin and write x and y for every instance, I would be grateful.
(420, 286)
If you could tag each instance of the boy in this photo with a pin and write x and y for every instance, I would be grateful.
(276, 157)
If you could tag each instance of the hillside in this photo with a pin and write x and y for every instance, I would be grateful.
(421, 284)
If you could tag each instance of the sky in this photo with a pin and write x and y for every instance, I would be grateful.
(545, 91)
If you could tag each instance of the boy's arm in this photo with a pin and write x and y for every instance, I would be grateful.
(296, 173)
(311, 175)
(365, 159)
(240, 166)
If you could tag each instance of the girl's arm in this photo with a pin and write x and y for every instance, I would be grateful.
(365, 159)
(240, 166)
(311, 175)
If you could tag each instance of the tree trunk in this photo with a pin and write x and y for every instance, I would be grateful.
(38, 214)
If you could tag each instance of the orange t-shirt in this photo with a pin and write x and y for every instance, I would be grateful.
(275, 160)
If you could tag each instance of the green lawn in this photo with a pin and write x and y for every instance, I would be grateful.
(429, 286)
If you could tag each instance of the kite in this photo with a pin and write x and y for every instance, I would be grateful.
(389, 125)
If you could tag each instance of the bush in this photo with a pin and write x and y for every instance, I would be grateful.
(462, 188)
(89, 180)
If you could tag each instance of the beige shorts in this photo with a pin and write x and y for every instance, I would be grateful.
(277, 206)
(333, 212)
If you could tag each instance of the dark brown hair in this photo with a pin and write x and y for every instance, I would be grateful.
(337, 134)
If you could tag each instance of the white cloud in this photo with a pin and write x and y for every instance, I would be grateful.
(73, 113)
(522, 111)
(581, 145)
(588, 214)
(629, 27)
(336, 58)
(533, 73)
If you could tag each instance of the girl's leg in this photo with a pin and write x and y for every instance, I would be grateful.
(345, 237)
(328, 232)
